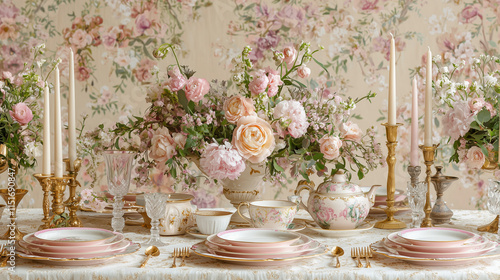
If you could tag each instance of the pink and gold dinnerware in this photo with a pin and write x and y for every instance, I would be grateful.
(178, 214)
(474, 243)
(338, 233)
(303, 242)
(464, 254)
(253, 237)
(212, 221)
(74, 236)
(337, 204)
(275, 214)
(202, 250)
(438, 237)
(33, 242)
(119, 247)
(298, 252)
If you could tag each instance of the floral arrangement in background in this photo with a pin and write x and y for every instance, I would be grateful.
(471, 116)
(90, 199)
(264, 116)
(20, 113)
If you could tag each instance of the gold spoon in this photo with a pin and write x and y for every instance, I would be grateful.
(337, 252)
(151, 251)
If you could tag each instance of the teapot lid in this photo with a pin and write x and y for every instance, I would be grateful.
(338, 185)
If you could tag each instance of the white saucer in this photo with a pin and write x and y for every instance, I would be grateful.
(193, 231)
(339, 232)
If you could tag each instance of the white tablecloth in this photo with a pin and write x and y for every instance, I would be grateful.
(200, 268)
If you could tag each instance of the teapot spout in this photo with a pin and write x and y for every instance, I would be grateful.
(371, 194)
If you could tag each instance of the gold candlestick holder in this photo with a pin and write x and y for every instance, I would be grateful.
(45, 182)
(73, 201)
(58, 187)
(429, 152)
(390, 222)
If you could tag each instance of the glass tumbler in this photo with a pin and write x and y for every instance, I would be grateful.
(156, 205)
(416, 199)
(494, 198)
(118, 168)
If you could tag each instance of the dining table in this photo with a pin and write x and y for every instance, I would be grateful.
(203, 268)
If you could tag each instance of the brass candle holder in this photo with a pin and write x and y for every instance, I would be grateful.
(73, 201)
(58, 187)
(390, 222)
(45, 182)
(428, 152)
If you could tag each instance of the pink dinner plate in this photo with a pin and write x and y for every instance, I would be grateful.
(221, 252)
(467, 254)
(33, 242)
(257, 237)
(119, 247)
(474, 243)
(437, 237)
(74, 236)
(303, 242)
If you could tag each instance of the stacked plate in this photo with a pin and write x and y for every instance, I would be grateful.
(251, 246)
(436, 246)
(75, 246)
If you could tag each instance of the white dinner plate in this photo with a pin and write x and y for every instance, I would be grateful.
(33, 242)
(256, 237)
(119, 247)
(202, 250)
(339, 232)
(435, 236)
(303, 241)
(475, 243)
(213, 249)
(74, 236)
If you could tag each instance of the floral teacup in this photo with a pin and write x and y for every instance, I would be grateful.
(274, 214)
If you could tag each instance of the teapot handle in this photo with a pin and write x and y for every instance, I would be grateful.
(243, 216)
(304, 184)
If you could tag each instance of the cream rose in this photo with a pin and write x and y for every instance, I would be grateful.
(475, 158)
(253, 138)
(330, 147)
(351, 131)
(238, 106)
(303, 72)
(162, 146)
(179, 139)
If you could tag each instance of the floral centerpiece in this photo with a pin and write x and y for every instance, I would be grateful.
(471, 119)
(261, 117)
(20, 112)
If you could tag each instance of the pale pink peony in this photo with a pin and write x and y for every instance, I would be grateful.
(475, 158)
(351, 131)
(253, 139)
(477, 104)
(196, 88)
(162, 145)
(456, 122)
(176, 83)
(86, 194)
(274, 83)
(290, 55)
(238, 106)
(80, 39)
(21, 113)
(303, 72)
(222, 162)
(259, 84)
(330, 147)
(292, 116)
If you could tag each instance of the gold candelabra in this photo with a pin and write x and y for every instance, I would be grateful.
(73, 201)
(429, 152)
(390, 222)
(45, 182)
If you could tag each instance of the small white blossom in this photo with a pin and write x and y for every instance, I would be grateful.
(490, 80)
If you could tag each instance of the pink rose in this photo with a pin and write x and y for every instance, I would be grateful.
(82, 73)
(222, 162)
(176, 83)
(303, 72)
(253, 138)
(330, 147)
(80, 39)
(142, 23)
(174, 71)
(351, 131)
(143, 71)
(162, 146)
(238, 106)
(21, 113)
(196, 88)
(469, 13)
(456, 122)
(477, 104)
(475, 158)
(98, 205)
(290, 54)
(259, 84)
(180, 139)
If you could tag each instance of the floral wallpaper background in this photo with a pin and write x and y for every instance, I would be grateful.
(114, 41)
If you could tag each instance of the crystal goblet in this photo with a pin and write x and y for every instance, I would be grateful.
(494, 198)
(118, 168)
(156, 204)
(416, 199)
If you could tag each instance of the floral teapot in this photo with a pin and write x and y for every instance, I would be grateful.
(337, 204)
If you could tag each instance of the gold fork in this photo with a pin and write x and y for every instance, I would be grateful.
(366, 253)
(185, 253)
(355, 254)
(175, 254)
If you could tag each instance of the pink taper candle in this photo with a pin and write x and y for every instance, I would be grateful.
(414, 151)
(428, 102)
